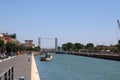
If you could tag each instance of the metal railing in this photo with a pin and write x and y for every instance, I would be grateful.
(8, 74)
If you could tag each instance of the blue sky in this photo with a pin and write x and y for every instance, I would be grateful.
(81, 21)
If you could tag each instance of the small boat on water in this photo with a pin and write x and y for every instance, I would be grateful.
(47, 57)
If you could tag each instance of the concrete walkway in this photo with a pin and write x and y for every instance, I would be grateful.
(24, 65)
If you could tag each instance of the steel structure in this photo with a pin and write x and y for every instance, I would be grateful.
(55, 39)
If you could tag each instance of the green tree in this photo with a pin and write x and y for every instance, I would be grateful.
(70, 46)
(20, 47)
(2, 45)
(11, 47)
(13, 36)
(90, 47)
(78, 46)
(37, 48)
(118, 46)
(29, 49)
(64, 47)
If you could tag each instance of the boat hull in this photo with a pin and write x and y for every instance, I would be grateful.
(46, 59)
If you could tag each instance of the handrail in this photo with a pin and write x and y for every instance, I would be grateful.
(6, 71)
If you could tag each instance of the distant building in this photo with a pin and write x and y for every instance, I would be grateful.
(9, 38)
(29, 44)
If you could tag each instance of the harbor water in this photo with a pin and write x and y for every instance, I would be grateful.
(71, 67)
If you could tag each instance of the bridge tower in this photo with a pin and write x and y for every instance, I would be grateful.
(39, 41)
(55, 39)
(56, 43)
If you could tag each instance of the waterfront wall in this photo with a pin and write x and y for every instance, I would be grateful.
(34, 70)
(110, 56)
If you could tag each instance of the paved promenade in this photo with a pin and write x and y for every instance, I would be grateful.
(24, 65)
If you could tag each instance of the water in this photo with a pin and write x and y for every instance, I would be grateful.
(71, 67)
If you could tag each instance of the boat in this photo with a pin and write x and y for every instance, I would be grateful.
(47, 57)
(60, 52)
